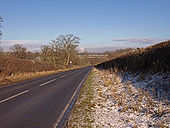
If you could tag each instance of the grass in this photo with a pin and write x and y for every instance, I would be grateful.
(26, 76)
(134, 100)
(82, 113)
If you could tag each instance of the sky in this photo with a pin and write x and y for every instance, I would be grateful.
(98, 23)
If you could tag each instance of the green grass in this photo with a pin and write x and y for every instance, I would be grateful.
(82, 113)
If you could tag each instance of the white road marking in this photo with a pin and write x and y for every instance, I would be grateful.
(73, 72)
(62, 76)
(68, 74)
(47, 82)
(13, 96)
(68, 104)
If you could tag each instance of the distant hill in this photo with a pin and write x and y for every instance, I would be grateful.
(153, 58)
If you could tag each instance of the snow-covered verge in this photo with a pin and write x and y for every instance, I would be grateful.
(118, 103)
(158, 84)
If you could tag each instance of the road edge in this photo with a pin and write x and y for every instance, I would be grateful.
(64, 114)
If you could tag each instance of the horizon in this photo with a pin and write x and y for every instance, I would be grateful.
(37, 48)
(104, 23)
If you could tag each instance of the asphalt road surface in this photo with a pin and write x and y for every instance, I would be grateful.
(38, 103)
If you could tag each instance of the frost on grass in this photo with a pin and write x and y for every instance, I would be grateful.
(121, 104)
(116, 101)
(157, 84)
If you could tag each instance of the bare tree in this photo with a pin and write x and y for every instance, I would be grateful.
(61, 51)
(67, 43)
(18, 51)
(52, 54)
(47, 54)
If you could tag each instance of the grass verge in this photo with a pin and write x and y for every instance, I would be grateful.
(26, 76)
(82, 113)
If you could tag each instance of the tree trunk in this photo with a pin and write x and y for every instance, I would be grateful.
(68, 58)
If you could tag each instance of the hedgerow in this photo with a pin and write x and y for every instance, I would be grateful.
(10, 66)
(153, 58)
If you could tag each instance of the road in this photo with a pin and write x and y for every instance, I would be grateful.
(39, 103)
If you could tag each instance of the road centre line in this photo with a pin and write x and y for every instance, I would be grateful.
(62, 76)
(73, 72)
(67, 74)
(55, 79)
(13, 96)
(47, 82)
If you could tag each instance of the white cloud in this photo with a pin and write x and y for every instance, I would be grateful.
(141, 40)
(12, 42)
(31, 45)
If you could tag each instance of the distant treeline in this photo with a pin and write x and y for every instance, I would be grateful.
(59, 55)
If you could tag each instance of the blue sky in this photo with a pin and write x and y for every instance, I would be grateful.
(99, 23)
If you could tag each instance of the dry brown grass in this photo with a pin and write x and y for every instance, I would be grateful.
(26, 76)
(134, 100)
(154, 58)
(23, 76)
